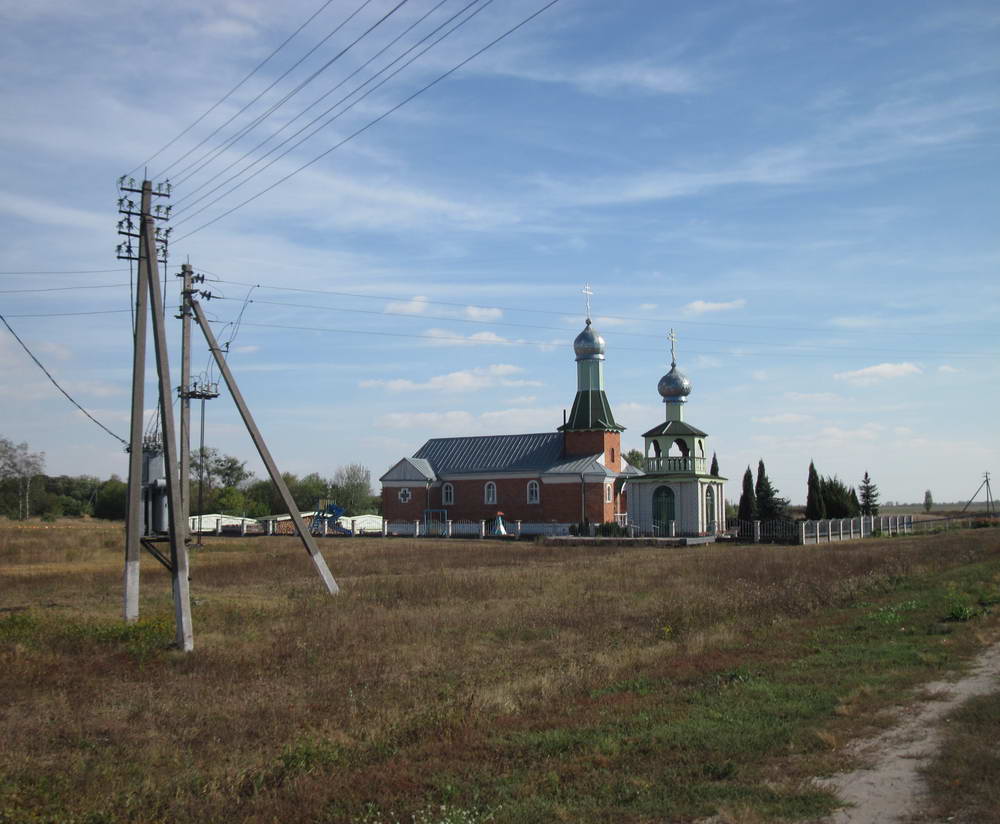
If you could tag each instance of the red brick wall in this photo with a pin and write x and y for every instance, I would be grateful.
(590, 442)
(559, 502)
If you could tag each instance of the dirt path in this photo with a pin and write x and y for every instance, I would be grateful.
(890, 789)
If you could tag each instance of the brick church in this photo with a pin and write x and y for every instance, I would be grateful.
(571, 475)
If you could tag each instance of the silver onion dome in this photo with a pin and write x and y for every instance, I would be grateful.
(589, 345)
(674, 386)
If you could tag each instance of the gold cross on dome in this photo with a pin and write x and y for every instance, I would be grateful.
(586, 290)
(672, 337)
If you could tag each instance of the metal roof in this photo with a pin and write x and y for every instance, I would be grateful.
(674, 428)
(493, 453)
(591, 410)
(587, 465)
(410, 469)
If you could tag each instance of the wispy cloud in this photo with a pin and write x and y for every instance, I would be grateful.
(445, 337)
(879, 372)
(701, 307)
(464, 380)
(784, 417)
(947, 369)
(417, 305)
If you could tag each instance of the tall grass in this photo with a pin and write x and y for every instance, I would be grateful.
(468, 674)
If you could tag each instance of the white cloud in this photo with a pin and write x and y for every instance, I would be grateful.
(482, 313)
(459, 422)
(647, 307)
(948, 370)
(856, 322)
(249, 349)
(707, 362)
(417, 305)
(817, 397)
(444, 337)
(759, 374)
(465, 380)
(879, 372)
(784, 417)
(700, 307)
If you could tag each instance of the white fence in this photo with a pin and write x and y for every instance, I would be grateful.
(822, 532)
(469, 529)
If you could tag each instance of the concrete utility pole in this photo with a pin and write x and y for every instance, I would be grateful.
(184, 391)
(272, 468)
(150, 240)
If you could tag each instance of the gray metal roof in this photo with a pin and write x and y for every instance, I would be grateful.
(674, 428)
(587, 465)
(493, 453)
(628, 469)
(410, 469)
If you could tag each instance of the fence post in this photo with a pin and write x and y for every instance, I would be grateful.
(482, 529)
(756, 532)
(672, 529)
(385, 527)
(416, 529)
(218, 526)
(517, 528)
(802, 533)
(447, 529)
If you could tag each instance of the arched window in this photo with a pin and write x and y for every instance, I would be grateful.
(709, 507)
(534, 492)
(612, 454)
(608, 493)
(447, 495)
(490, 493)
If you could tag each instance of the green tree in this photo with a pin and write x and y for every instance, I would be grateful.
(231, 501)
(838, 499)
(815, 507)
(869, 496)
(714, 471)
(230, 471)
(352, 489)
(748, 500)
(309, 490)
(770, 506)
(111, 500)
(928, 501)
(635, 458)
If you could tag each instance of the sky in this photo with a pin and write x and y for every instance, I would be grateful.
(804, 191)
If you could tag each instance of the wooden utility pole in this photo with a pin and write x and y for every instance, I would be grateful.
(307, 539)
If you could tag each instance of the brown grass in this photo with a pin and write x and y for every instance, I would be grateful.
(300, 706)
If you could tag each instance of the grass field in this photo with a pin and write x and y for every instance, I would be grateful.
(466, 681)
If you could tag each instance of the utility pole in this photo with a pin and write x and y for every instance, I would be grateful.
(152, 240)
(184, 391)
(272, 468)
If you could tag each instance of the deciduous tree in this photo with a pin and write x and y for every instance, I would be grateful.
(928, 501)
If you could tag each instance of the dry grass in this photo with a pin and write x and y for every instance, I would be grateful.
(465, 673)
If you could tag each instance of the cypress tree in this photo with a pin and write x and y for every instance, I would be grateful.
(815, 507)
(855, 504)
(770, 507)
(869, 496)
(748, 501)
(715, 466)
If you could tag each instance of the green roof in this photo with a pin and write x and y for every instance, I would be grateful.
(591, 410)
(674, 428)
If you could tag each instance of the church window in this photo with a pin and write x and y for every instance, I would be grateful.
(405, 495)
(533, 492)
(612, 454)
(490, 493)
(608, 493)
(447, 495)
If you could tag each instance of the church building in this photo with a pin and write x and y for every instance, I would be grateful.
(677, 494)
(571, 475)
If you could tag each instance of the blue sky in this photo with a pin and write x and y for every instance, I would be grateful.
(805, 191)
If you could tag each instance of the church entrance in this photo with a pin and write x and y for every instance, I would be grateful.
(663, 508)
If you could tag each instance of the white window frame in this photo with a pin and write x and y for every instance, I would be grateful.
(487, 489)
(405, 495)
(447, 495)
(609, 493)
(536, 488)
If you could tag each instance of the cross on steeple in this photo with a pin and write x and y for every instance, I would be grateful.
(672, 337)
(588, 292)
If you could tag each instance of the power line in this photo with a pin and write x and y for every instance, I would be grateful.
(55, 383)
(64, 272)
(227, 95)
(629, 318)
(71, 314)
(259, 96)
(618, 332)
(63, 288)
(380, 118)
(326, 94)
(198, 165)
(329, 121)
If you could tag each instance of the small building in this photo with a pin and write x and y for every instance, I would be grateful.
(677, 492)
(571, 475)
(216, 523)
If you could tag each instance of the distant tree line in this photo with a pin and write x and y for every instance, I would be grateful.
(26, 491)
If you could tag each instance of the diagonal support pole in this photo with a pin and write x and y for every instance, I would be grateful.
(272, 468)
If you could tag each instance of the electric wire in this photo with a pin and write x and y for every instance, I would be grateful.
(64, 272)
(275, 106)
(325, 124)
(304, 57)
(55, 383)
(618, 332)
(327, 93)
(63, 288)
(75, 314)
(235, 88)
(378, 119)
(629, 318)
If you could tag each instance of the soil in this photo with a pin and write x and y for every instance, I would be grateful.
(890, 789)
